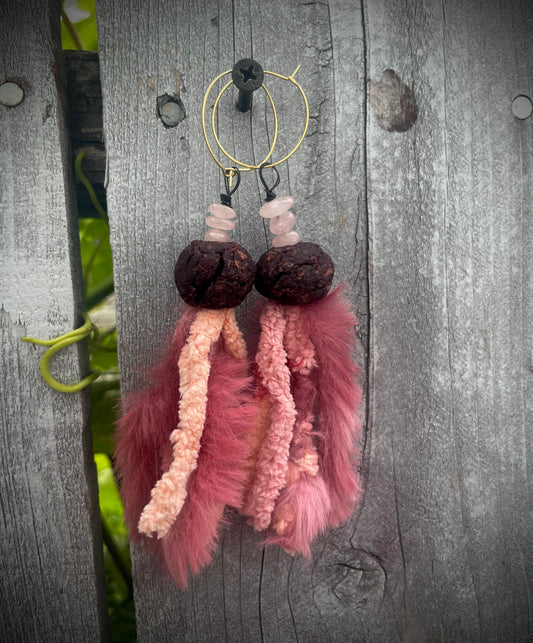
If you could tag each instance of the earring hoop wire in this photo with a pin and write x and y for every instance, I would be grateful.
(245, 166)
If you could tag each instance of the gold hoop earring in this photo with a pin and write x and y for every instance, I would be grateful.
(246, 167)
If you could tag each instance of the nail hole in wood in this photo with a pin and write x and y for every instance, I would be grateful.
(170, 110)
(392, 102)
(522, 107)
(11, 94)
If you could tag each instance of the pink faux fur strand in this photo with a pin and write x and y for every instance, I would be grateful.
(272, 462)
(144, 451)
(330, 324)
(220, 476)
(257, 434)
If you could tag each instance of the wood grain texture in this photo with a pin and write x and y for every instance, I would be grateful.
(442, 548)
(51, 571)
(448, 507)
(161, 182)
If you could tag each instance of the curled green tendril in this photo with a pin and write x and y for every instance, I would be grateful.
(92, 195)
(56, 345)
(95, 340)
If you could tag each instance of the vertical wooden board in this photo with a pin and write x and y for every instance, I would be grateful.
(448, 503)
(161, 182)
(51, 578)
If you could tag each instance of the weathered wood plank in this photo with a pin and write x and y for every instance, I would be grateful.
(449, 496)
(51, 571)
(160, 184)
(441, 549)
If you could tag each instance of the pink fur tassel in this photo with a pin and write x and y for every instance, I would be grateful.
(321, 486)
(148, 418)
(330, 324)
(220, 475)
(144, 450)
(194, 365)
(303, 507)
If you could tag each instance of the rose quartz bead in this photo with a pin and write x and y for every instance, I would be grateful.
(222, 211)
(276, 206)
(283, 223)
(221, 224)
(216, 235)
(286, 239)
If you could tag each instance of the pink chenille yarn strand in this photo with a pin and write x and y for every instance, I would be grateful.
(170, 491)
(272, 463)
(303, 506)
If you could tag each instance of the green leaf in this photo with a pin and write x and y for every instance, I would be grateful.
(104, 356)
(86, 29)
(121, 609)
(95, 251)
(98, 293)
(110, 502)
(105, 396)
(96, 259)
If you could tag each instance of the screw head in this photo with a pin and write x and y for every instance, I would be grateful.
(11, 94)
(247, 75)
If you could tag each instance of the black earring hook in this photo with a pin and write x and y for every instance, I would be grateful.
(269, 191)
(225, 199)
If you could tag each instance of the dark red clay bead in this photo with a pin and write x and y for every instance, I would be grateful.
(293, 275)
(214, 274)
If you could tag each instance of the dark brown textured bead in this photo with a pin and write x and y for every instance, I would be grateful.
(297, 274)
(214, 274)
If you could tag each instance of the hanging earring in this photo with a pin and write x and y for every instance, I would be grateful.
(182, 442)
(303, 445)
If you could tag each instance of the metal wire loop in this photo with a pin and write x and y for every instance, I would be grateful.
(234, 173)
(245, 167)
(269, 190)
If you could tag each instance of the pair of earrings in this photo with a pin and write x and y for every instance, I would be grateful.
(273, 438)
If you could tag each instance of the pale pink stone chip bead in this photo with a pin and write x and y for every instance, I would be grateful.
(282, 223)
(221, 224)
(216, 235)
(276, 207)
(286, 239)
(222, 211)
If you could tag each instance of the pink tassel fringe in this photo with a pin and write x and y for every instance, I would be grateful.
(303, 506)
(321, 485)
(272, 463)
(148, 418)
(330, 324)
(220, 475)
(144, 452)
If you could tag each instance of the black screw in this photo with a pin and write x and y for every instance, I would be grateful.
(247, 76)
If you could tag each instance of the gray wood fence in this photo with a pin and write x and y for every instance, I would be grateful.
(430, 226)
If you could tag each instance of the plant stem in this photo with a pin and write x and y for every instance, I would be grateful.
(72, 30)
(92, 195)
(95, 295)
(116, 554)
